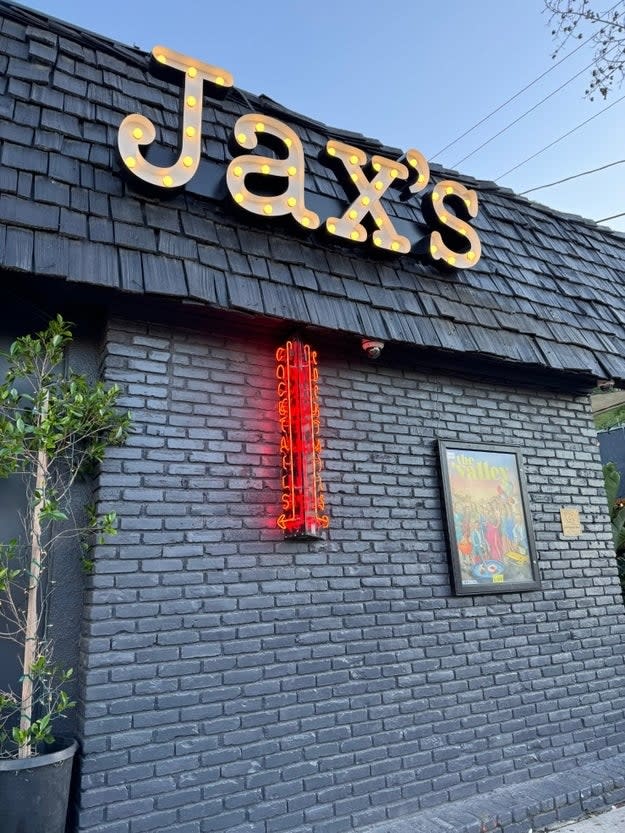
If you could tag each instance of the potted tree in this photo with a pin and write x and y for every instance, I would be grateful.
(54, 427)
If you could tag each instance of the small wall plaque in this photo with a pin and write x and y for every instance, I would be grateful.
(571, 523)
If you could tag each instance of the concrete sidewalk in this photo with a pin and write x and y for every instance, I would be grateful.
(592, 793)
(612, 821)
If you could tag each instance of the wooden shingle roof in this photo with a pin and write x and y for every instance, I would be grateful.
(547, 292)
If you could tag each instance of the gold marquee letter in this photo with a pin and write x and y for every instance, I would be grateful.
(419, 164)
(291, 169)
(136, 130)
(368, 199)
(442, 193)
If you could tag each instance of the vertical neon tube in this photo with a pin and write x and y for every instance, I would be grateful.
(302, 499)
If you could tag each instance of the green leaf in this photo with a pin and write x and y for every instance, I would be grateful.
(20, 736)
(53, 515)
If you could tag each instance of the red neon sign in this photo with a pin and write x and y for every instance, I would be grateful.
(303, 500)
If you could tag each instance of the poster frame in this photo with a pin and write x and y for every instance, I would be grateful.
(462, 585)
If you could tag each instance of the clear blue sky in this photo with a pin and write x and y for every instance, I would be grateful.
(412, 73)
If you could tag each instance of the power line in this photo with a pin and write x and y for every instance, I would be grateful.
(613, 217)
(522, 116)
(520, 92)
(564, 136)
(508, 101)
(574, 176)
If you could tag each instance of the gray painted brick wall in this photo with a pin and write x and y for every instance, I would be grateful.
(233, 681)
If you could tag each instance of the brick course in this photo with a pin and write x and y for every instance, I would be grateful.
(234, 681)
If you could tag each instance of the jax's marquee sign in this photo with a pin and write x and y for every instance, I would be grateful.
(252, 179)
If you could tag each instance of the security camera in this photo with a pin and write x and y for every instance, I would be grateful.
(372, 348)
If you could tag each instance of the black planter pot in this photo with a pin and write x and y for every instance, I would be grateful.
(34, 791)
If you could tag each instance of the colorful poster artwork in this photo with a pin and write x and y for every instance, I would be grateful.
(487, 519)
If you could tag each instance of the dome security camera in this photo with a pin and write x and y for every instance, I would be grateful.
(372, 348)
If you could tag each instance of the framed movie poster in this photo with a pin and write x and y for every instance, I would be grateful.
(490, 535)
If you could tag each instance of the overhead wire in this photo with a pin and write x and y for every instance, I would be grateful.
(551, 144)
(508, 101)
(574, 176)
(522, 116)
(612, 217)
(520, 92)
(560, 138)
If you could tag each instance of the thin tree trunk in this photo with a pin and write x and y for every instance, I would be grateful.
(31, 633)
